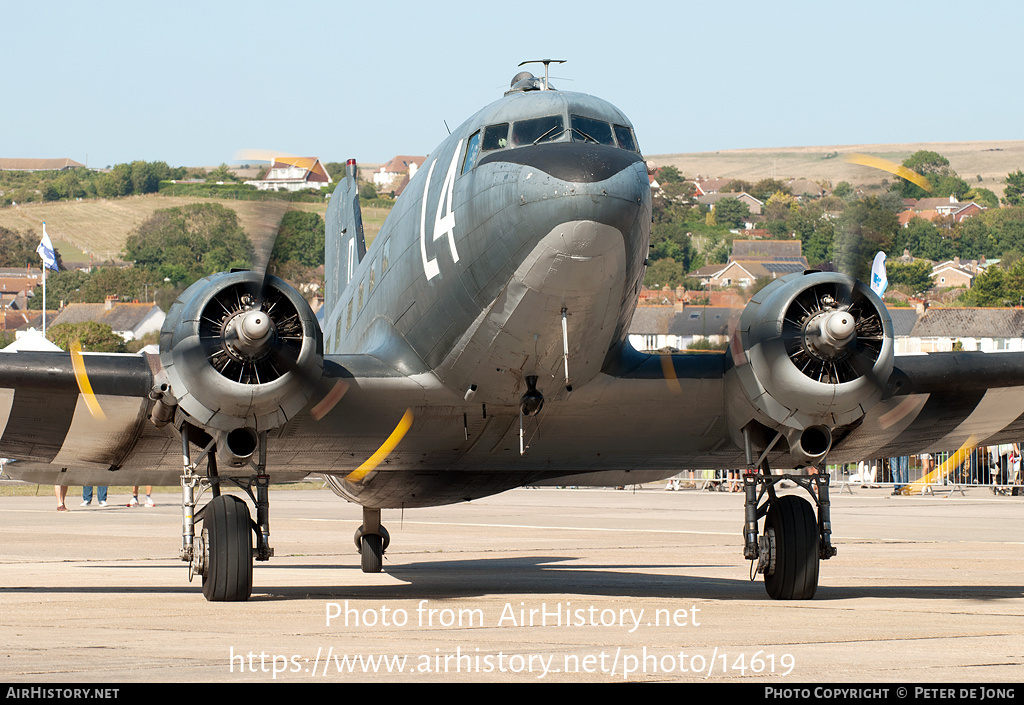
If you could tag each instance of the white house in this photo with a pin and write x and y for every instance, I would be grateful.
(294, 174)
(397, 172)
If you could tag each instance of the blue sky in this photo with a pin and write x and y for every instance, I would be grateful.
(191, 83)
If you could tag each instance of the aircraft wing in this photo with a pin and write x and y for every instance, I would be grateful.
(52, 436)
(45, 417)
(941, 402)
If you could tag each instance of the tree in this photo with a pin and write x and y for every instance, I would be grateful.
(864, 228)
(844, 190)
(1013, 191)
(120, 180)
(1015, 282)
(367, 191)
(145, 177)
(669, 175)
(764, 189)
(731, 212)
(221, 173)
(664, 272)
(738, 186)
(779, 207)
(91, 336)
(915, 276)
(16, 249)
(190, 242)
(990, 288)
(300, 239)
(60, 286)
(934, 167)
(671, 202)
(982, 196)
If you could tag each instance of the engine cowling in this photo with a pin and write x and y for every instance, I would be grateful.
(812, 353)
(241, 353)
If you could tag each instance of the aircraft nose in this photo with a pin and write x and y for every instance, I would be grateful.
(575, 162)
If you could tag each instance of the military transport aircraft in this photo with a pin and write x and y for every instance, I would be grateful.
(480, 345)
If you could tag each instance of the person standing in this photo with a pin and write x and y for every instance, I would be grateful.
(900, 472)
(135, 497)
(101, 495)
(62, 492)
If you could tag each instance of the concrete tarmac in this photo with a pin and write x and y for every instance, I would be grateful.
(566, 585)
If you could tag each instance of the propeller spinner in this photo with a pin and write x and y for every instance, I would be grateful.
(241, 349)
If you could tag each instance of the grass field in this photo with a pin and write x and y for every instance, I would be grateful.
(10, 488)
(99, 227)
(991, 160)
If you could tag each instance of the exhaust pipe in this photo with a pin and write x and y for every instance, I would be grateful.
(809, 446)
(236, 448)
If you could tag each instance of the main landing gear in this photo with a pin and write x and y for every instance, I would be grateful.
(223, 552)
(794, 540)
(372, 540)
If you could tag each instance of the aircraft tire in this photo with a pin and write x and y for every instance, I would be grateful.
(228, 527)
(372, 553)
(795, 577)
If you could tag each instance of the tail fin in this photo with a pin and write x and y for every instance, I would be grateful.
(345, 246)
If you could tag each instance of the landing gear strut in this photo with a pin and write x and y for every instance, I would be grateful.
(794, 541)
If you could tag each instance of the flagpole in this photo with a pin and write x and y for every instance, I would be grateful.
(45, 252)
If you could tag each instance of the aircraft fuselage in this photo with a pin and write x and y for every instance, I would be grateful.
(491, 240)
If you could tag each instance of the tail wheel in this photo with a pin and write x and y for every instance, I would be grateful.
(792, 530)
(227, 530)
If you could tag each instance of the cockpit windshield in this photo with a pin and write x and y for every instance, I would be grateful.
(496, 136)
(625, 137)
(537, 130)
(586, 129)
(549, 128)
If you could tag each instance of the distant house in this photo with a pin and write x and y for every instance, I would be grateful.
(753, 204)
(648, 330)
(128, 320)
(294, 174)
(658, 327)
(945, 329)
(706, 187)
(394, 175)
(695, 323)
(14, 291)
(23, 319)
(755, 259)
(932, 208)
(38, 164)
(966, 210)
(805, 188)
(951, 273)
(903, 321)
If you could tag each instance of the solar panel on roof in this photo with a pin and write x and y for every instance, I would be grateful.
(783, 267)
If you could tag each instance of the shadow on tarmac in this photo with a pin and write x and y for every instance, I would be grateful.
(536, 575)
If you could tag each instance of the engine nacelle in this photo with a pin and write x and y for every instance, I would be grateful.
(812, 353)
(240, 352)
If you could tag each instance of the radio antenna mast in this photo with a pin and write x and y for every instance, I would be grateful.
(546, 62)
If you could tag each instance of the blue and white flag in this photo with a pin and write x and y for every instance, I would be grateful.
(879, 282)
(45, 250)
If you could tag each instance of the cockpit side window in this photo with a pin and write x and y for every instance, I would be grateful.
(586, 129)
(495, 136)
(626, 138)
(537, 130)
(472, 151)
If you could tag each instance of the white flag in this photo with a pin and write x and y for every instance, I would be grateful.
(45, 250)
(879, 281)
